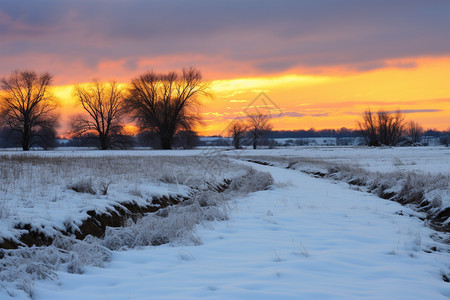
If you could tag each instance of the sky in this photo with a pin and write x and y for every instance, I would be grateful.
(317, 63)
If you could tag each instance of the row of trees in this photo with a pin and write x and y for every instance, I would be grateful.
(162, 104)
(388, 128)
(381, 128)
(254, 127)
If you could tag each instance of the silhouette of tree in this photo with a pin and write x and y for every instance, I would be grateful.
(414, 131)
(369, 128)
(259, 124)
(390, 127)
(237, 131)
(384, 128)
(165, 103)
(105, 107)
(28, 108)
(187, 139)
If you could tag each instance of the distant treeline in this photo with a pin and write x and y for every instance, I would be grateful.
(310, 133)
(189, 139)
(337, 133)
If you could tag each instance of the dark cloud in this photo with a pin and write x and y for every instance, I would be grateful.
(131, 64)
(320, 115)
(265, 36)
(291, 114)
(276, 65)
(294, 114)
(412, 111)
(404, 111)
(405, 65)
(370, 66)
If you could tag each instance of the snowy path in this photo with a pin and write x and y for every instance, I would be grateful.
(305, 239)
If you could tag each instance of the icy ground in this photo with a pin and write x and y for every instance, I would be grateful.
(306, 238)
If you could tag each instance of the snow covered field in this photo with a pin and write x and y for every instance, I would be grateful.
(423, 159)
(39, 188)
(417, 176)
(388, 159)
(304, 238)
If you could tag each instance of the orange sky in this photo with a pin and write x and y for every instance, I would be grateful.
(322, 63)
(333, 99)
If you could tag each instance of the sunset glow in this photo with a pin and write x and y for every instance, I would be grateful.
(338, 101)
(309, 101)
(320, 67)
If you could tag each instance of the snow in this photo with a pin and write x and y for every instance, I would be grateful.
(421, 170)
(383, 159)
(35, 186)
(305, 238)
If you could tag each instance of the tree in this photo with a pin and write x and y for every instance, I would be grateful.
(369, 128)
(165, 103)
(187, 139)
(259, 124)
(414, 131)
(105, 107)
(390, 127)
(445, 139)
(384, 128)
(237, 131)
(28, 108)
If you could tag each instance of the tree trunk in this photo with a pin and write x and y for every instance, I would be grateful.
(166, 143)
(103, 142)
(236, 142)
(26, 138)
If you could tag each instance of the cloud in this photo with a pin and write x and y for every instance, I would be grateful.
(294, 114)
(412, 111)
(320, 115)
(440, 100)
(249, 37)
(404, 111)
(276, 65)
(291, 114)
(405, 65)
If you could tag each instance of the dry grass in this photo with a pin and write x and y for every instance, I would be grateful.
(31, 182)
(426, 193)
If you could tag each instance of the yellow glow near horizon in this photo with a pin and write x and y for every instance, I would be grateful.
(338, 101)
(264, 83)
(325, 101)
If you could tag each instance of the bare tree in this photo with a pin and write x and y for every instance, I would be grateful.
(104, 104)
(414, 131)
(28, 108)
(165, 103)
(237, 131)
(259, 124)
(187, 139)
(390, 127)
(369, 128)
(384, 128)
(445, 140)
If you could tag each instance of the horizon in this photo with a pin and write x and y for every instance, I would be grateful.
(322, 64)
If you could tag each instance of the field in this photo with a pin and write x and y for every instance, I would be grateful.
(293, 223)
(426, 160)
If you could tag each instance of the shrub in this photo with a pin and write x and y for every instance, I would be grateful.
(83, 186)
(253, 181)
